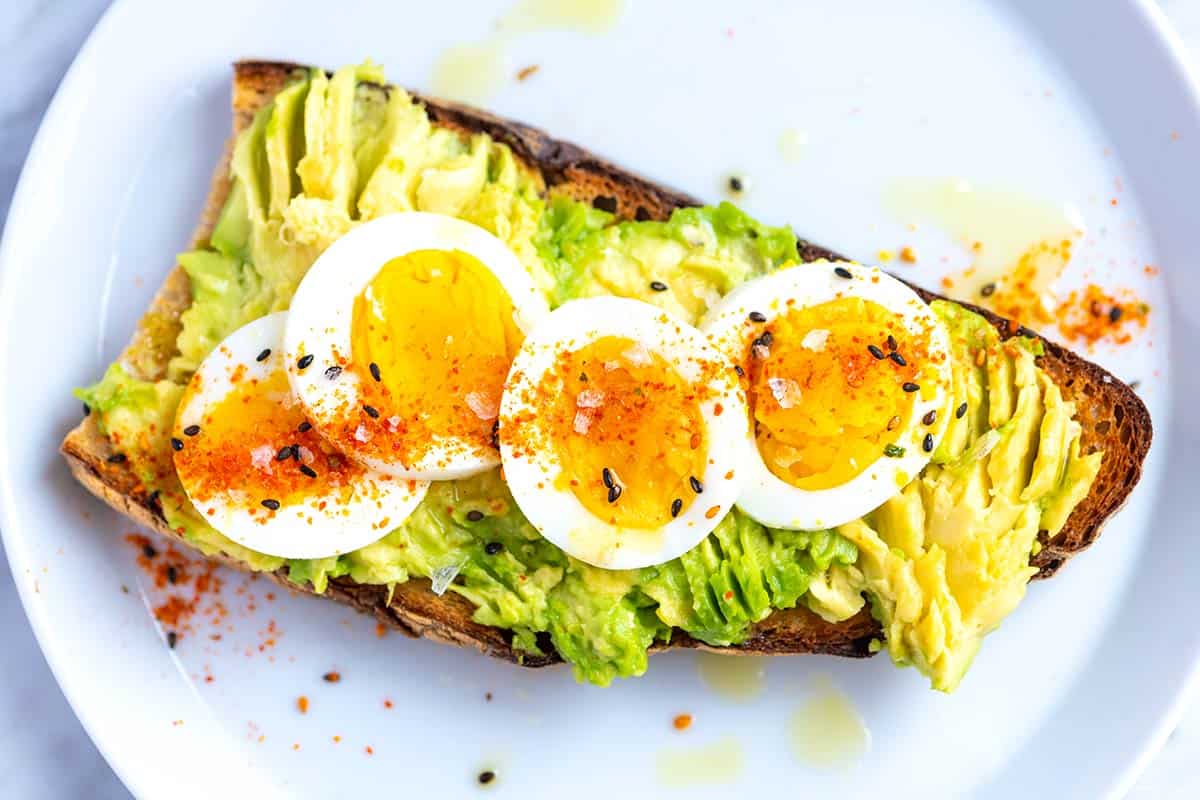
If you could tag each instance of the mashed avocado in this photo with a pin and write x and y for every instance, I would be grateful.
(941, 563)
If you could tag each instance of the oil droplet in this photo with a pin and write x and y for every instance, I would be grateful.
(740, 678)
(827, 731)
(792, 145)
(1019, 245)
(588, 16)
(470, 73)
(720, 762)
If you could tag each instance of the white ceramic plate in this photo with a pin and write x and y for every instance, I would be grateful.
(1061, 100)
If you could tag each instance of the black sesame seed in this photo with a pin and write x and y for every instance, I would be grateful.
(176, 444)
(930, 418)
(927, 443)
(172, 575)
(271, 504)
(86, 409)
(487, 776)
(614, 492)
(658, 286)
(305, 427)
(910, 387)
(333, 372)
(960, 411)
(496, 434)
(304, 361)
(988, 289)
(874, 350)
(696, 485)
(295, 452)
(676, 507)
(120, 458)
(307, 470)
(735, 184)
(899, 359)
(264, 355)
(172, 639)
(758, 316)
(766, 339)
(605, 203)
(891, 342)
(893, 451)
(474, 515)
(842, 272)
(607, 478)
(1114, 314)
(191, 430)
(1134, 385)
(284, 453)
(492, 548)
(148, 551)
(372, 412)
(738, 369)
(374, 368)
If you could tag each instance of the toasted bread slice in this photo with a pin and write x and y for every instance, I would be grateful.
(1113, 417)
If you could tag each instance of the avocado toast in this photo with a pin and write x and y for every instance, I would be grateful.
(111, 465)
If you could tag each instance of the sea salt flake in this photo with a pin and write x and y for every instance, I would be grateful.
(786, 392)
(583, 421)
(589, 398)
(306, 455)
(483, 405)
(637, 355)
(361, 434)
(261, 457)
(815, 340)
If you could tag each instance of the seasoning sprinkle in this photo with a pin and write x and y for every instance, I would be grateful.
(695, 483)
(305, 427)
(607, 478)
(896, 357)
(658, 286)
(332, 677)
(191, 430)
(676, 507)
(284, 453)
(172, 574)
(271, 504)
(958, 412)
(874, 350)
(492, 548)
(304, 361)
(176, 444)
(307, 470)
(893, 451)
(333, 372)
(930, 418)
(148, 550)
(988, 289)
(172, 639)
(927, 443)
(614, 492)
(758, 316)
(374, 369)
(474, 515)
(842, 272)
(891, 342)
(372, 412)
(263, 356)
(893, 423)
(119, 458)
(910, 387)
(487, 776)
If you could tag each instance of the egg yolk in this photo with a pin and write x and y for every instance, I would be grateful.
(826, 385)
(628, 432)
(250, 448)
(432, 337)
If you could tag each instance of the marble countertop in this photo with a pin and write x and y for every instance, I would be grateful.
(44, 752)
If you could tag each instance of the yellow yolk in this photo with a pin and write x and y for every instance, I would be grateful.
(235, 453)
(824, 406)
(432, 337)
(616, 405)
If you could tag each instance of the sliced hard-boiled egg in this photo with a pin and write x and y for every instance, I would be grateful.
(619, 431)
(399, 339)
(847, 373)
(258, 472)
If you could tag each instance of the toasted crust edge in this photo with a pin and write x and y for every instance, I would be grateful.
(1112, 414)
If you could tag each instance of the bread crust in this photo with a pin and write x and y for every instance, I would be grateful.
(1112, 416)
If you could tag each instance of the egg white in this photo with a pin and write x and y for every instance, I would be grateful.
(556, 512)
(378, 503)
(775, 502)
(319, 324)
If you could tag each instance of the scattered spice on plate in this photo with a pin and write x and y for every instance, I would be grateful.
(524, 73)
(302, 704)
(682, 722)
(332, 676)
